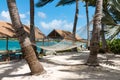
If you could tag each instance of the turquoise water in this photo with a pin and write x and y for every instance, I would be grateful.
(14, 44)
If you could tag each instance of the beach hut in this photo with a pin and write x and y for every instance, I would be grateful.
(7, 31)
(62, 34)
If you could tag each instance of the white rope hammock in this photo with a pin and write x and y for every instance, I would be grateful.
(64, 44)
(61, 46)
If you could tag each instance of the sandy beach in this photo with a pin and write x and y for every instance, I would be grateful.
(64, 66)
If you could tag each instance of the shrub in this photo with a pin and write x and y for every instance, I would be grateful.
(115, 46)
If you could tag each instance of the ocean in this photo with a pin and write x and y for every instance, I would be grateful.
(14, 44)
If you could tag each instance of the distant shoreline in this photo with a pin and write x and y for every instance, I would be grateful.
(9, 39)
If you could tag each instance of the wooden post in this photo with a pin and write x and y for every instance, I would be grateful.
(43, 42)
(8, 55)
(7, 43)
(48, 41)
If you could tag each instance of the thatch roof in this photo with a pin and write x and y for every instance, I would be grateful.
(61, 34)
(6, 30)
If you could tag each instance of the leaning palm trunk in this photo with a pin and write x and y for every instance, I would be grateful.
(87, 16)
(75, 20)
(27, 50)
(32, 28)
(75, 24)
(94, 44)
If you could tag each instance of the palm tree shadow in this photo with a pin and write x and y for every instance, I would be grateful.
(81, 57)
(16, 75)
(108, 61)
(48, 61)
(13, 67)
(91, 73)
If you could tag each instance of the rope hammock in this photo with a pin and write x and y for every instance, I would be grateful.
(83, 30)
(64, 44)
(61, 46)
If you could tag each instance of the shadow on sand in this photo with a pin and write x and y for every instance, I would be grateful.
(10, 67)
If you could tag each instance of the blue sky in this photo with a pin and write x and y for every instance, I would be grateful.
(49, 17)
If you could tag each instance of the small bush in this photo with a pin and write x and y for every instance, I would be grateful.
(115, 46)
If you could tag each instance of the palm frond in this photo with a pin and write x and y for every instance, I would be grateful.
(114, 35)
(65, 2)
(115, 4)
(107, 19)
(41, 3)
(112, 32)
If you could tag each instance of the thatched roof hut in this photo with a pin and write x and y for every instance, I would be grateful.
(6, 30)
(61, 34)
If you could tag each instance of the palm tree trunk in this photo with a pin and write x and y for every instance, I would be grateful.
(75, 20)
(32, 28)
(88, 34)
(27, 50)
(104, 43)
(94, 44)
(75, 24)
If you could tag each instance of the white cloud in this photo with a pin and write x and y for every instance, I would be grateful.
(5, 15)
(41, 14)
(57, 24)
(22, 16)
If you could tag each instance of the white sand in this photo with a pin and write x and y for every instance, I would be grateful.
(67, 66)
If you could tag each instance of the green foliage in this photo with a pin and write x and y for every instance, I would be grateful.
(100, 44)
(115, 46)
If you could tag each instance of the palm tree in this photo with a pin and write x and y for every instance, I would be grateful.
(63, 2)
(66, 2)
(94, 43)
(104, 43)
(75, 19)
(42, 3)
(32, 28)
(106, 20)
(22, 36)
(88, 34)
